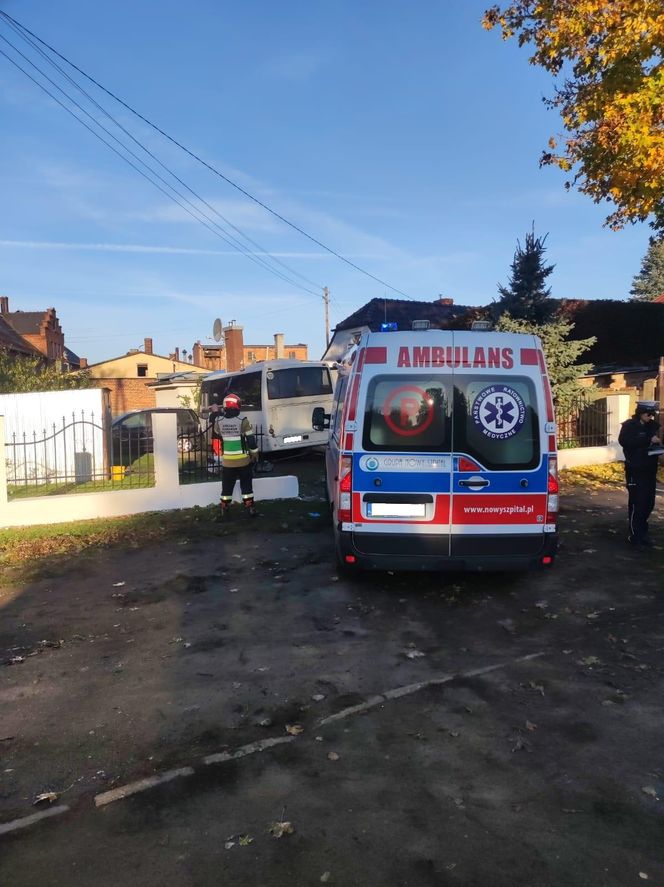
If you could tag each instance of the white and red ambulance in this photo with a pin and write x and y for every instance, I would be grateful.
(442, 453)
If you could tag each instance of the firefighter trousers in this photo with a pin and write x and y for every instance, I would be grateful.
(229, 476)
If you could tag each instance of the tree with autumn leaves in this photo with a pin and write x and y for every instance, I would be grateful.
(606, 58)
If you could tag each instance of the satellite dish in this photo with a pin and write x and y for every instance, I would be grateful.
(217, 330)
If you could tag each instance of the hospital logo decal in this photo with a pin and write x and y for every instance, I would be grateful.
(499, 411)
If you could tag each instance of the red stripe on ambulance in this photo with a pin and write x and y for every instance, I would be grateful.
(441, 514)
(498, 509)
(376, 355)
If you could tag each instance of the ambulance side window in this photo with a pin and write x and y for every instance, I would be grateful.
(338, 405)
(496, 421)
(406, 414)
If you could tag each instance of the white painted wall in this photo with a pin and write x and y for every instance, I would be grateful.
(617, 406)
(50, 447)
(166, 495)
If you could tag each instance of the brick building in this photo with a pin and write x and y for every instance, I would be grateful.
(129, 378)
(232, 354)
(41, 329)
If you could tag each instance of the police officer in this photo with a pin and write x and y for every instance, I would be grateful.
(636, 436)
(239, 452)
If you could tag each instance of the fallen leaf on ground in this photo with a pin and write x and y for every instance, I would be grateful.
(414, 654)
(279, 829)
(530, 726)
(245, 840)
(325, 877)
(332, 756)
(649, 790)
(294, 729)
(508, 625)
(45, 798)
(118, 584)
(589, 660)
(318, 697)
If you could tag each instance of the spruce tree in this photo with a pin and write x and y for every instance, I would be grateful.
(649, 282)
(527, 297)
(561, 353)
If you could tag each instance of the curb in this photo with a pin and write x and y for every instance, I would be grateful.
(141, 785)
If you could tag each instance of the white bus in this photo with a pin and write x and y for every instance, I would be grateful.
(278, 397)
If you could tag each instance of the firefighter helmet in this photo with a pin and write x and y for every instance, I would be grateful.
(232, 402)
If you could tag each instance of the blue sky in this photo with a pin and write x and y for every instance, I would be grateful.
(403, 136)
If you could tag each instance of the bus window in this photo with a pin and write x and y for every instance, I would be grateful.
(248, 389)
(299, 382)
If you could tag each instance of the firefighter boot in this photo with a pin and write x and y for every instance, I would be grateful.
(250, 508)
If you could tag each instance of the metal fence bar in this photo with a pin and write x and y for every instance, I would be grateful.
(77, 457)
(583, 423)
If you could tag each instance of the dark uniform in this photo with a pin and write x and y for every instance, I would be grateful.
(636, 436)
(239, 452)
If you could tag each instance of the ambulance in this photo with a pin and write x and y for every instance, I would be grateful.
(442, 453)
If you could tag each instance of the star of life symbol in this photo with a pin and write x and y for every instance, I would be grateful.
(499, 411)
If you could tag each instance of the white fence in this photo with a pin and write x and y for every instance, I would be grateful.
(617, 408)
(167, 493)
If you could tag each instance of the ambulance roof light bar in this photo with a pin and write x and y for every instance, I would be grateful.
(390, 326)
(420, 325)
(481, 325)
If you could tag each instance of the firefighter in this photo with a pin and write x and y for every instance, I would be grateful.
(637, 436)
(239, 452)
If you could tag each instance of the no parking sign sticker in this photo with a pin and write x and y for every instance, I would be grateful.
(409, 410)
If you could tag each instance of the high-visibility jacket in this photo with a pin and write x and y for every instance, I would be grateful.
(238, 441)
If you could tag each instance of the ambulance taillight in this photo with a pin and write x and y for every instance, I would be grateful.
(552, 492)
(345, 489)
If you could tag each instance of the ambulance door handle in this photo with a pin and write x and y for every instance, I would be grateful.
(474, 483)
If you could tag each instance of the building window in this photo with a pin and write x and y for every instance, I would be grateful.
(142, 370)
(251, 356)
(291, 355)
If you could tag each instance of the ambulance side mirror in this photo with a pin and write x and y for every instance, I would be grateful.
(320, 420)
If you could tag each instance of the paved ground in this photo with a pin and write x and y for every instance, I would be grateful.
(545, 771)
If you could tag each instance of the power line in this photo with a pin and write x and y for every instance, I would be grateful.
(107, 114)
(199, 159)
(214, 227)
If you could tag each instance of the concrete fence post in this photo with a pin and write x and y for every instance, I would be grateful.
(617, 407)
(164, 432)
(3, 470)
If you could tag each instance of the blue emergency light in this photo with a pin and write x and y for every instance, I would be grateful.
(390, 327)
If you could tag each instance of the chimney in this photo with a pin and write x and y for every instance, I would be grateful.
(442, 300)
(4, 304)
(147, 346)
(279, 345)
(234, 339)
(198, 357)
(177, 354)
(84, 363)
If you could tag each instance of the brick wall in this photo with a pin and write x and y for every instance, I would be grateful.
(128, 394)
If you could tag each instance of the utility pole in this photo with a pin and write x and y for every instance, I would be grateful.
(326, 303)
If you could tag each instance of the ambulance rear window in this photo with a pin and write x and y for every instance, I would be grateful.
(406, 414)
(496, 421)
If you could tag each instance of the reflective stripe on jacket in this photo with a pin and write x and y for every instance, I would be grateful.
(238, 441)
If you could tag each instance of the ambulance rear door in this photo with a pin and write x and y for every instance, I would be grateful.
(402, 452)
(500, 467)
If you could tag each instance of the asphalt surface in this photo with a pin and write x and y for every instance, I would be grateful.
(544, 771)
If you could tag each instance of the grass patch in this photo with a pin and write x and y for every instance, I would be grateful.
(612, 474)
(32, 552)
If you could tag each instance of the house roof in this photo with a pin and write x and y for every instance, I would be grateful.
(71, 358)
(25, 322)
(403, 312)
(141, 354)
(12, 341)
